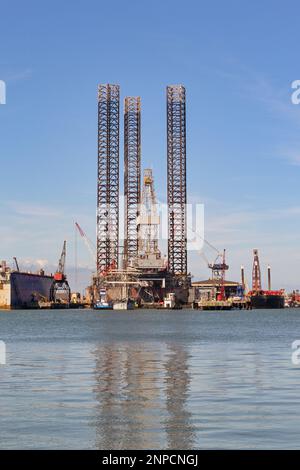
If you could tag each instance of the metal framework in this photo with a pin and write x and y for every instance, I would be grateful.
(176, 155)
(132, 175)
(108, 178)
(256, 274)
(149, 219)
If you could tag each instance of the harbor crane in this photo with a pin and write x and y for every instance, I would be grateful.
(218, 268)
(60, 290)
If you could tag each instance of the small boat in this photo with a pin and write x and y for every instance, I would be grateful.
(126, 304)
(102, 305)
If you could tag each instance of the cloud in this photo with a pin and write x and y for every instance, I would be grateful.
(19, 76)
(33, 209)
(292, 156)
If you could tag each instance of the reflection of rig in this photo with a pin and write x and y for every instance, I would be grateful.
(144, 275)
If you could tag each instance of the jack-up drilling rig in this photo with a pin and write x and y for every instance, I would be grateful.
(144, 270)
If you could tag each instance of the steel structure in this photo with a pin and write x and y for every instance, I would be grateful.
(108, 178)
(176, 156)
(132, 175)
(256, 274)
(149, 220)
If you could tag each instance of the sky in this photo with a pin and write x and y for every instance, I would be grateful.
(237, 60)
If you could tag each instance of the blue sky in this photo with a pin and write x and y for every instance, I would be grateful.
(237, 60)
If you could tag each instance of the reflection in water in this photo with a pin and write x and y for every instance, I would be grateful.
(180, 431)
(149, 380)
(141, 392)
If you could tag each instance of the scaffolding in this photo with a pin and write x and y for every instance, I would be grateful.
(132, 175)
(176, 179)
(108, 178)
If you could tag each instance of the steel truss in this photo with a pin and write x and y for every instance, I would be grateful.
(132, 175)
(108, 178)
(176, 156)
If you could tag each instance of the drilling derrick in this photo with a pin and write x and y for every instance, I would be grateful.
(176, 179)
(149, 225)
(256, 275)
(108, 179)
(132, 176)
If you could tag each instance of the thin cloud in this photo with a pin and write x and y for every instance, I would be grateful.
(33, 209)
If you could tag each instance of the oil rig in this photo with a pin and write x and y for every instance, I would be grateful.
(136, 272)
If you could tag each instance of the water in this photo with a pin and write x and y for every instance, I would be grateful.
(149, 379)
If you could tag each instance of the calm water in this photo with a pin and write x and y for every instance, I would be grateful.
(149, 379)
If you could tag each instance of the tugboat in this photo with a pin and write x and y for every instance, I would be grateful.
(102, 304)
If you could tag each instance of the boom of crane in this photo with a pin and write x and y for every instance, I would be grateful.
(60, 290)
(60, 273)
(90, 246)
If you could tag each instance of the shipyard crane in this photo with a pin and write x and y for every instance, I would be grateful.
(90, 246)
(218, 274)
(218, 268)
(60, 290)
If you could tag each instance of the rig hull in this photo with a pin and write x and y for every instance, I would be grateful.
(267, 301)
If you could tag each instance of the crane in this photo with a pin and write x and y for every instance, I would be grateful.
(218, 274)
(90, 246)
(218, 268)
(60, 273)
(60, 290)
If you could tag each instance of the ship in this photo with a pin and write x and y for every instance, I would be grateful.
(267, 299)
(23, 290)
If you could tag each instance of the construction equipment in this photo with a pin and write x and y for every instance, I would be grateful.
(218, 275)
(60, 290)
